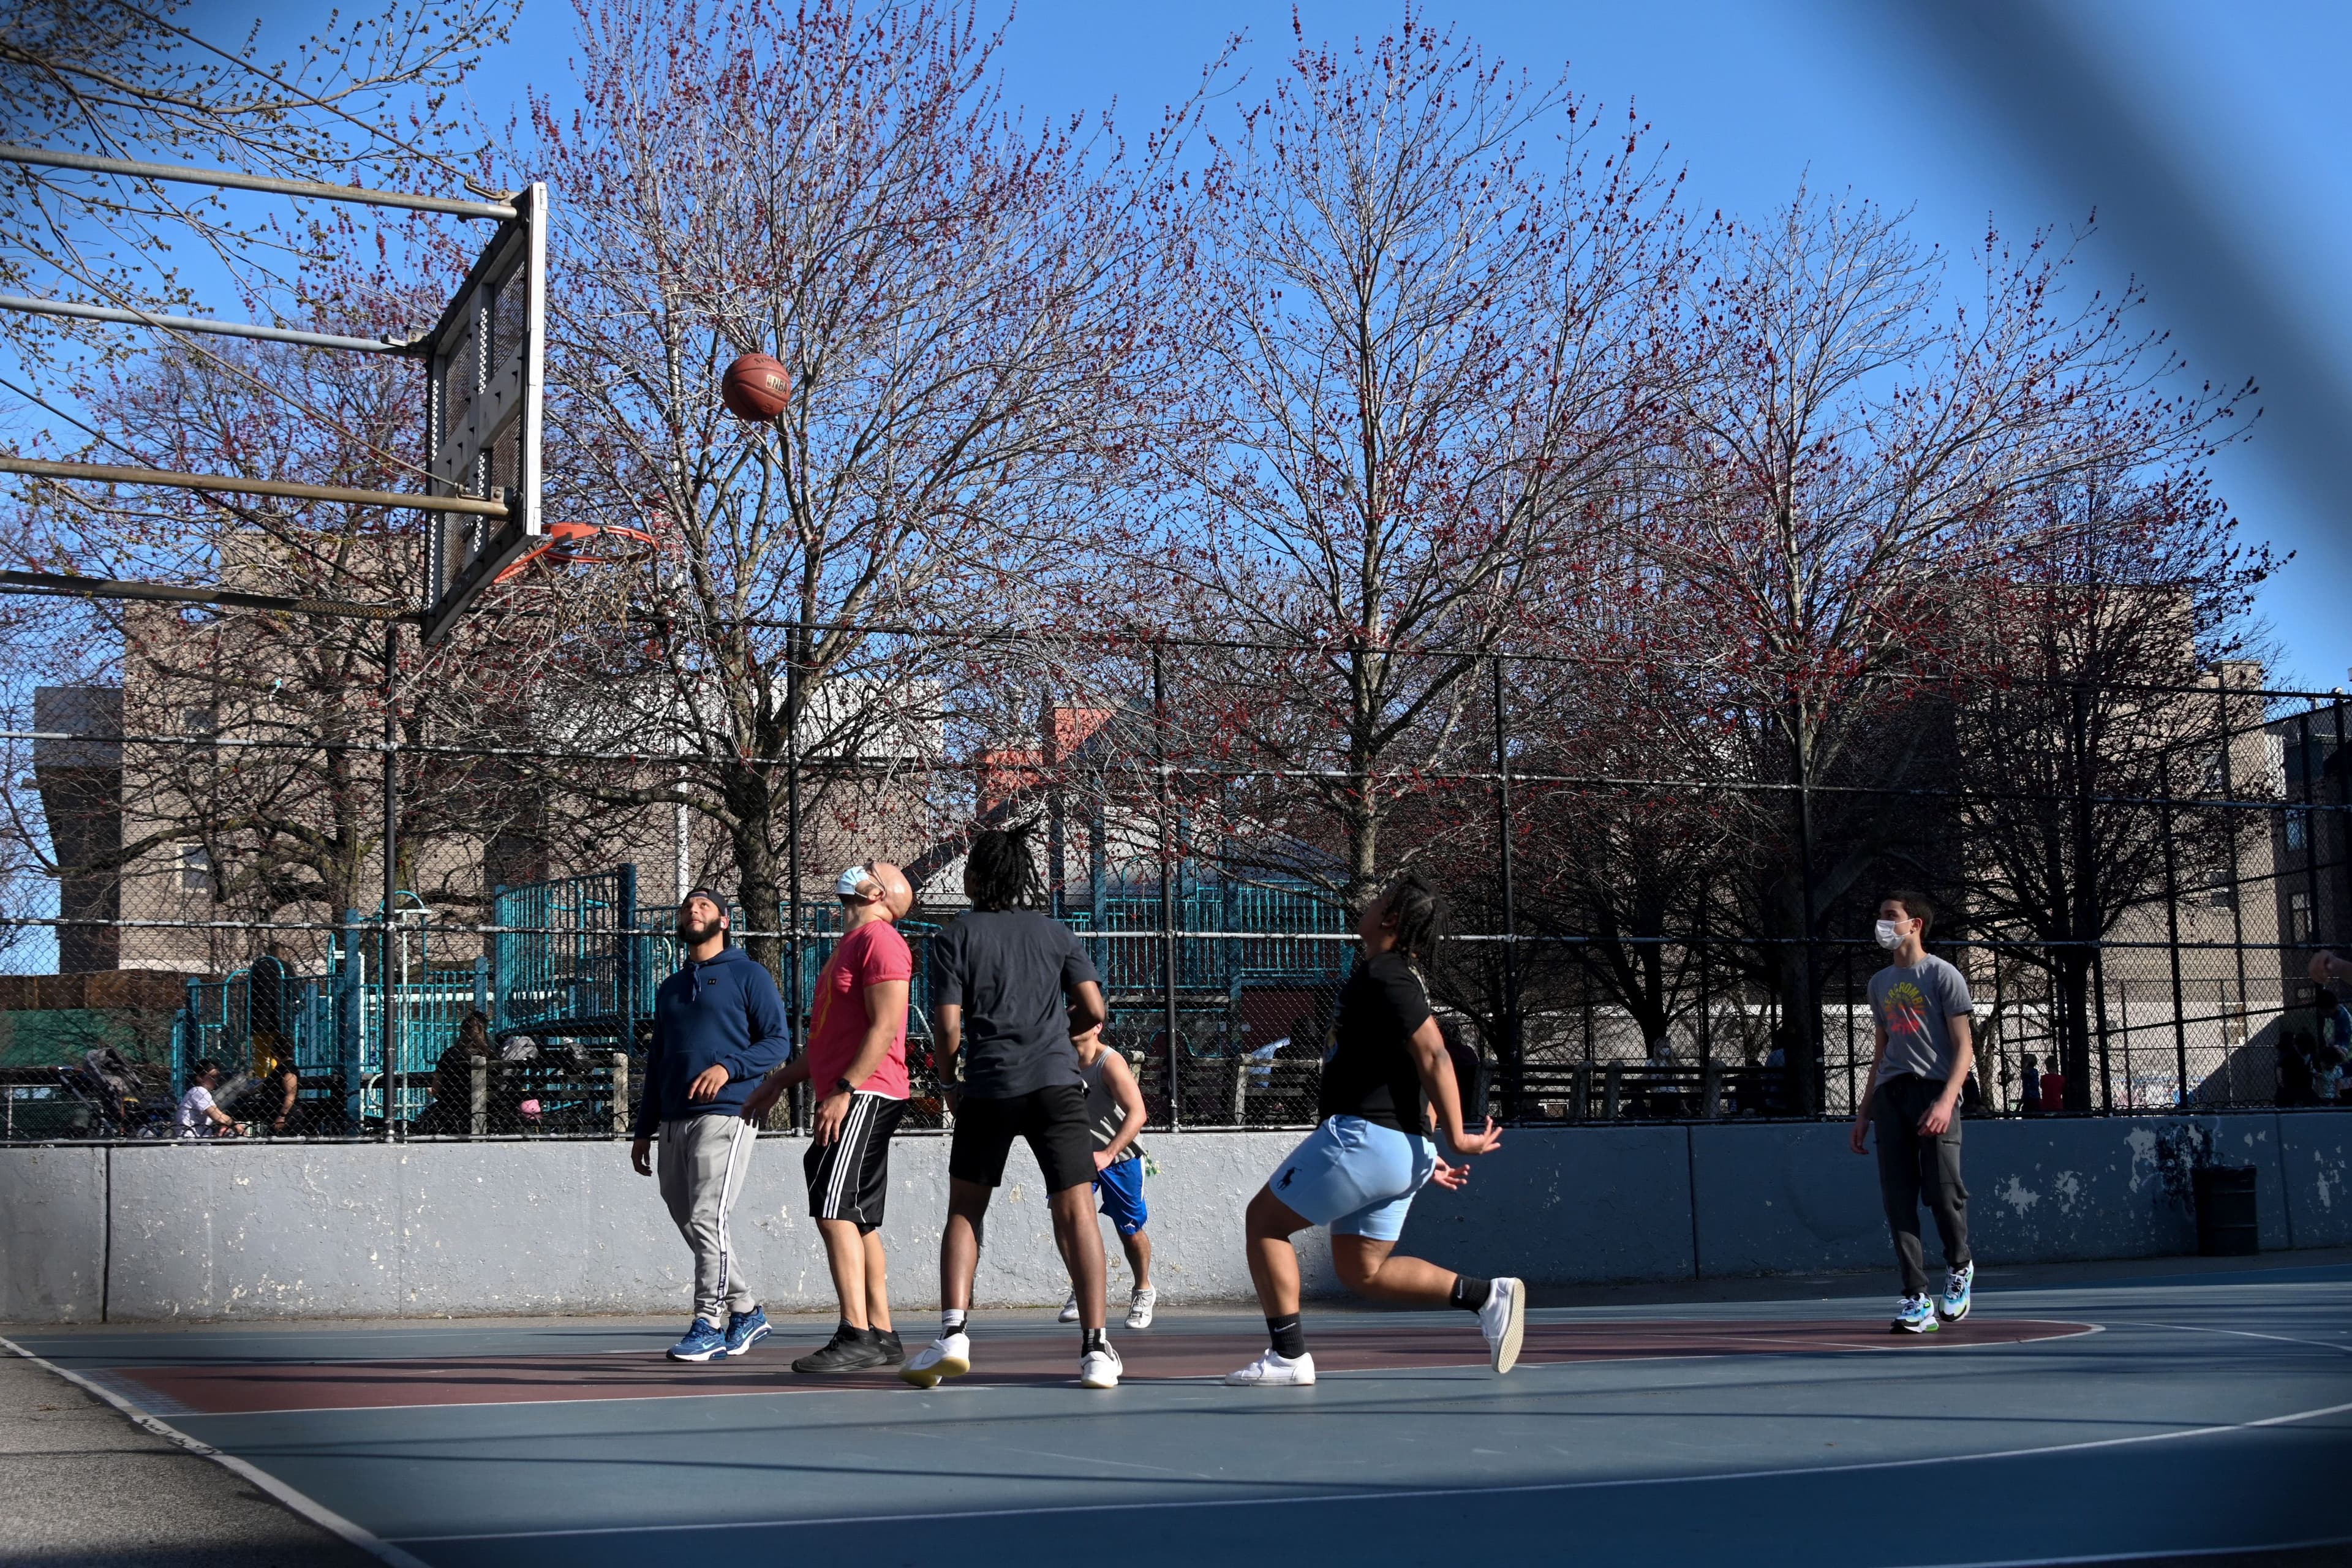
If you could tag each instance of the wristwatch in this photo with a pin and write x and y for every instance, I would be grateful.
(843, 1085)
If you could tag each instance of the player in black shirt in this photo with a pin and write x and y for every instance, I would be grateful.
(1387, 1081)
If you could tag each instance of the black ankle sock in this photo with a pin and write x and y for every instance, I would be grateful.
(1471, 1294)
(1093, 1340)
(1289, 1335)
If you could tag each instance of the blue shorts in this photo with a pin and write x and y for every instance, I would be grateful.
(1120, 1188)
(1355, 1176)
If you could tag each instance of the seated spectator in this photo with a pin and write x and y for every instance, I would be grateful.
(199, 1117)
(2331, 1052)
(451, 1113)
(275, 1089)
(2053, 1089)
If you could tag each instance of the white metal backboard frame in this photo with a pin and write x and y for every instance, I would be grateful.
(486, 365)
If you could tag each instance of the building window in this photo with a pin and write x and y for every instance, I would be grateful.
(195, 868)
(2298, 827)
(2298, 917)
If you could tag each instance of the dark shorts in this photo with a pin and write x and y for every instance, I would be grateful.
(1054, 1121)
(849, 1178)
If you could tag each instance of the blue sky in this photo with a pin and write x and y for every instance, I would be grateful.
(2210, 139)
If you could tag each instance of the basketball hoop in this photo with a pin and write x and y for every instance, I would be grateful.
(567, 544)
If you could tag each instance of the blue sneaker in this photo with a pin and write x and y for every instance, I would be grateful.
(701, 1342)
(1954, 1304)
(745, 1330)
(1913, 1315)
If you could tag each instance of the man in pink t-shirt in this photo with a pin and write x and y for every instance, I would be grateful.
(856, 1058)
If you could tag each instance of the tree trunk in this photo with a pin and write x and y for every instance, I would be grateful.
(2071, 977)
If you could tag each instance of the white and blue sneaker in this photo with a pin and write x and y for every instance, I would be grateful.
(701, 1342)
(1913, 1315)
(1954, 1304)
(745, 1330)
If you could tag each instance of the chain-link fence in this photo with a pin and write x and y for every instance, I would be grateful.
(446, 917)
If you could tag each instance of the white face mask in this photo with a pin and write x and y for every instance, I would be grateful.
(1890, 935)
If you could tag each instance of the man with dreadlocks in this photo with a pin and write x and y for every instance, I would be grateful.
(1010, 986)
(1387, 1078)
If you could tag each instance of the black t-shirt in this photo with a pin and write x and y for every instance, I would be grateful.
(1012, 971)
(1370, 1071)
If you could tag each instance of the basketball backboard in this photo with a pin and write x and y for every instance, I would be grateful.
(483, 414)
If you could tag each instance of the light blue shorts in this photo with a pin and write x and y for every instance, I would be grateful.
(1355, 1176)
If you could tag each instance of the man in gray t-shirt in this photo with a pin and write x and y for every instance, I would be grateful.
(1925, 1049)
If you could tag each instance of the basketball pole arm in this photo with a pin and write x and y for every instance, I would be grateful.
(189, 174)
(199, 324)
(473, 506)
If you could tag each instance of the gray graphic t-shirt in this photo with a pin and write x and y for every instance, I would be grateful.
(1915, 1007)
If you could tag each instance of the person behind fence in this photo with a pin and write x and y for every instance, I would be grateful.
(857, 1056)
(1010, 989)
(1923, 1047)
(1114, 1116)
(451, 1113)
(199, 1116)
(719, 1029)
(1388, 1081)
(2031, 1078)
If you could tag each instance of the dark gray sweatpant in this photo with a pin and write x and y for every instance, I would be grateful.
(1914, 1169)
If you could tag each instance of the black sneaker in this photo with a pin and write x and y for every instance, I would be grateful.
(850, 1350)
(893, 1353)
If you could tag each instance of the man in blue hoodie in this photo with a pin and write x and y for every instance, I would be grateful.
(719, 1029)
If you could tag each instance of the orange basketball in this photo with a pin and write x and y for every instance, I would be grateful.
(756, 387)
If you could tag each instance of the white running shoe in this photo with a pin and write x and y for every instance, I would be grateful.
(950, 1355)
(1099, 1369)
(1069, 1309)
(1138, 1306)
(1503, 1320)
(1272, 1369)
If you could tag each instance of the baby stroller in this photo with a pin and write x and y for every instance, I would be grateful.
(119, 1106)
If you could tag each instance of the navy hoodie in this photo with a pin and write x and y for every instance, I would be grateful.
(723, 1012)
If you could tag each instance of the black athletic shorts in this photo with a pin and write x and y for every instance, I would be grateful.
(849, 1178)
(1052, 1119)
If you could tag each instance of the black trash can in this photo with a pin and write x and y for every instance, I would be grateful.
(2228, 1223)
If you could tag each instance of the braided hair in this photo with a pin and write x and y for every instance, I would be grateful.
(1420, 916)
(998, 872)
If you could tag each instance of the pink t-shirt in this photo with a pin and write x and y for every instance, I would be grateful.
(872, 953)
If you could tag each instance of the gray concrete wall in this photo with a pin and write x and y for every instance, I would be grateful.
(320, 1230)
(259, 1231)
(52, 1235)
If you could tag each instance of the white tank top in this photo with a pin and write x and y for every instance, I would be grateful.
(1105, 1115)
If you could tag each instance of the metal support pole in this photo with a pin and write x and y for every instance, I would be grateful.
(2172, 930)
(2229, 809)
(1508, 1052)
(796, 647)
(386, 979)
(1815, 1091)
(1166, 887)
(2310, 835)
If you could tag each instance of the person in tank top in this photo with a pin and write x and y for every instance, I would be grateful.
(1114, 1116)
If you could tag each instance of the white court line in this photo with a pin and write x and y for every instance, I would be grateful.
(1415, 1494)
(2167, 1554)
(2235, 1334)
(317, 1513)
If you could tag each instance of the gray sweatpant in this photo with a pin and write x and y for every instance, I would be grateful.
(1914, 1169)
(702, 1163)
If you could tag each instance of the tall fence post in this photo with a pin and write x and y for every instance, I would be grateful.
(388, 1013)
(1510, 1046)
(2172, 927)
(1167, 885)
(2237, 900)
(1808, 1025)
(796, 642)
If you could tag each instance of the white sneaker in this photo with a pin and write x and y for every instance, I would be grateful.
(950, 1355)
(1271, 1370)
(1069, 1309)
(1503, 1320)
(1138, 1307)
(1099, 1369)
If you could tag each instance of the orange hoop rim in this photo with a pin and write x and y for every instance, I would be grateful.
(584, 544)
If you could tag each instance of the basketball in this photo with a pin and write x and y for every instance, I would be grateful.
(756, 387)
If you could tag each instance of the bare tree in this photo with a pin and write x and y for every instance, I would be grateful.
(1853, 440)
(968, 310)
(1424, 351)
(368, 97)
